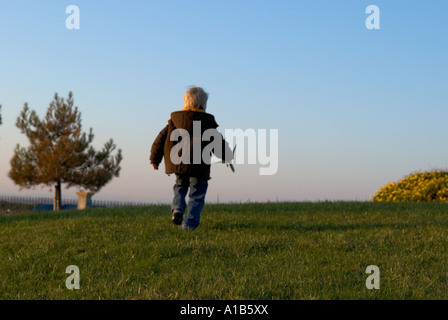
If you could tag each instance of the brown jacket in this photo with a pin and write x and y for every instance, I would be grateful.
(184, 120)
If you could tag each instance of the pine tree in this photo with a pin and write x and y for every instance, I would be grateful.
(60, 153)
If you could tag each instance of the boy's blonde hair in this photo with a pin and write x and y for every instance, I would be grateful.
(195, 97)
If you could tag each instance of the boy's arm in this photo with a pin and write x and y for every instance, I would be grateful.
(158, 148)
(225, 154)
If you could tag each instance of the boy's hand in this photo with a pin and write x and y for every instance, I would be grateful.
(155, 166)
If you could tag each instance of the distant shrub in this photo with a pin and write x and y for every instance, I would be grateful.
(427, 186)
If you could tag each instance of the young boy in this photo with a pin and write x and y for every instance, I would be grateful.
(190, 172)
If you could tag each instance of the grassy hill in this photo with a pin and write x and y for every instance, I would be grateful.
(241, 251)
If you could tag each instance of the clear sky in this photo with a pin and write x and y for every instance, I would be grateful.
(355, 108)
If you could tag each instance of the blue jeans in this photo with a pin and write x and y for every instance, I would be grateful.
(198, 189)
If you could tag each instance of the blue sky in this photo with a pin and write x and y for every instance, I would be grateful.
(355, 108)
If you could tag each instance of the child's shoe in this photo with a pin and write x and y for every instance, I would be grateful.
(177, 218)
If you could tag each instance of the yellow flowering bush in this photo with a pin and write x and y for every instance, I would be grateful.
(419, 186)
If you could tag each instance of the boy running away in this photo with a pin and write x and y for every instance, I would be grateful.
(187, 154)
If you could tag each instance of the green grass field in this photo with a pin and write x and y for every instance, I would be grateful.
(251, 251)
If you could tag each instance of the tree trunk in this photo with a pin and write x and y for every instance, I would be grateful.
(57, 197)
